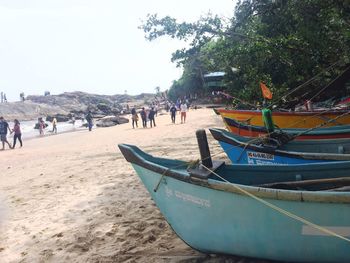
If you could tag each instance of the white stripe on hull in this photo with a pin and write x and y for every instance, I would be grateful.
(340, 230)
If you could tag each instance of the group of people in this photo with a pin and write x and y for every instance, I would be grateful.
(4, 128)
(182, 108)
(42, 125)
(144, 115)
(150, 115)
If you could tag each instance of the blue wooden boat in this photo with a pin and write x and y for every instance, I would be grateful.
(266, 151)
(213, 215)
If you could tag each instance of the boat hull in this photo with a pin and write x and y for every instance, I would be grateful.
(215, 216)
(243, 151)
(334, 132)
(216, 221)
(287, 119)
(245, 156)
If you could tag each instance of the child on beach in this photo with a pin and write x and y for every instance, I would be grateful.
(18, 134)
(4, 126)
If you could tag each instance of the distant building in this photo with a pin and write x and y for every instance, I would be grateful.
(214, 81)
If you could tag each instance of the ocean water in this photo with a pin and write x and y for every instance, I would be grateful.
(28, 131)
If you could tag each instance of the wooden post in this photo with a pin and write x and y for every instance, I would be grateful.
(204, 148)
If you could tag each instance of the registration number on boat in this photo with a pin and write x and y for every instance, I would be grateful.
(262, 156)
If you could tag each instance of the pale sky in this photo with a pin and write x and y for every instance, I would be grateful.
(92, 46)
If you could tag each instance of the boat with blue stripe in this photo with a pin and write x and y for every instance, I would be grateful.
(296, 213)
(268, 151)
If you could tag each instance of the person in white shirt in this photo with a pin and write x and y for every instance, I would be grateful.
(183, 110)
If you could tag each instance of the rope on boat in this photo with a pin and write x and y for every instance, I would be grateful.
(332, 82)
(290, 138)
(245, 147)
(188, 164)
(275, 102)
(264, 202)
(155, 189)
(320, 125)
(280, 210)
(307, 118)
(304, 84)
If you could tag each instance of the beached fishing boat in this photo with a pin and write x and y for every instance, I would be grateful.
(246, 212)
(246, 130)
(307, 119)
(266, 151)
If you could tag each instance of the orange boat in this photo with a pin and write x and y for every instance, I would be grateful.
(307, 119)
(245, 130)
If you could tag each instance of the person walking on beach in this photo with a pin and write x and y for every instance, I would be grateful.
(173, 113)
(4, 127)
(183, 109)
(54, 125)
(41, 125)
(143, 117)
(18, 134)
(151, 117)
(134, 117)
(89, 118)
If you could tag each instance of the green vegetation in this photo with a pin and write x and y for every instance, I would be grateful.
(282, 43)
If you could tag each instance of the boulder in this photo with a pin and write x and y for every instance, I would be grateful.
(109, 121)
(59, 117)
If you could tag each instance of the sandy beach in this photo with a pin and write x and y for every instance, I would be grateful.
(73, 198)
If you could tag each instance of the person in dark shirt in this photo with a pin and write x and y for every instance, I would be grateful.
(18, 134)
(4, 127)
(151, 114)
(134, 117)
(89, 118)
(173, 113)
(143, 117)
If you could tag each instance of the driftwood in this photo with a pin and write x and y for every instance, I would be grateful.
(312, 185)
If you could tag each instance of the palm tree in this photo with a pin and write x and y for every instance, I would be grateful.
(157, 90)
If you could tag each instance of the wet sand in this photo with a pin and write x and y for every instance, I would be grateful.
(73, 198)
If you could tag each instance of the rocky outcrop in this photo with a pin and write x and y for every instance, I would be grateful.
(63, 106)
(28, 110)
(59, 117)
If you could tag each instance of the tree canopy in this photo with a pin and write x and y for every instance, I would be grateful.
(282, 43)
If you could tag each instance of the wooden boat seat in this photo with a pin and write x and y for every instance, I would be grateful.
(202, 173)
